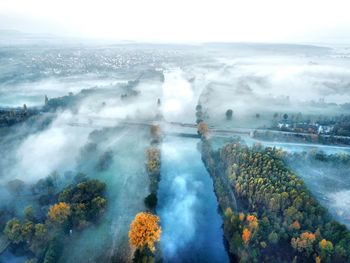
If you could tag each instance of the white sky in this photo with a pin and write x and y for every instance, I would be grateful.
(183, 20)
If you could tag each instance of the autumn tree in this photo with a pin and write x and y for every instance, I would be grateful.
(246, 236)
(144, 231)
(252, 222)
(59, 213)
(326, 248)
(241, 217)
(203, 129)
(304, 243)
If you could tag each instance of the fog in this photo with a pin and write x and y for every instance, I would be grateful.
(329, 182)
(191, 228)
(115, 83)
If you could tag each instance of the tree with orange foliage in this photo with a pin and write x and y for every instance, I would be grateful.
(253, 222)
(144, 231)
(326, 248)
(246, 236)
(295, 225)
(318, 259)
(304, 242)
(59, 213)
(241, 217)
(203, 129)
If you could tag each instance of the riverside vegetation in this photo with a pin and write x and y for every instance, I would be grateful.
(276, 218)
(47, 224)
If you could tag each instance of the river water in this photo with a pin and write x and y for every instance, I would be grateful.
(187, 206)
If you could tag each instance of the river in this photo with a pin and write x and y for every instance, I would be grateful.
(191, 224)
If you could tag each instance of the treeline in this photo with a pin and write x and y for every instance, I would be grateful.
(144, 230)
(42, 230)
(302, 138)
(153, 166)
(276, 219)
(320, 156)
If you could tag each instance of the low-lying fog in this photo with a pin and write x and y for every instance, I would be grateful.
(248, 79)
(330, 183)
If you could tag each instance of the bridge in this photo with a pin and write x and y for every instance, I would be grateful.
(170, 128)
(189, 130)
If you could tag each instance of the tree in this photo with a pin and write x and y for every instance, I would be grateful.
(241, 217)
(229, 114)
(203, 129)
(253, 222)
(285, 116)
(155, 132)
(40, 232)
(144, 231)
(80, 177)
(97, 206)
(246, 236)
(15, 186)
(296, 225)
(86, 200)
(59, 213)
(151, 201)
(13, 231)
(105, 161)
(153, 157)
(326, 248)
(228, 213)
(273, 237)
(29, 213)
(304, 243)
(198, 107)
(27, 230)
(53, 251)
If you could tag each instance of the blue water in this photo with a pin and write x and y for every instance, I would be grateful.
(187, 206)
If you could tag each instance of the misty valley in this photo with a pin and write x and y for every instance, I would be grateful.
(174, 153)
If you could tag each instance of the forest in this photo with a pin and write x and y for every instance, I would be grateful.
(276, 218)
